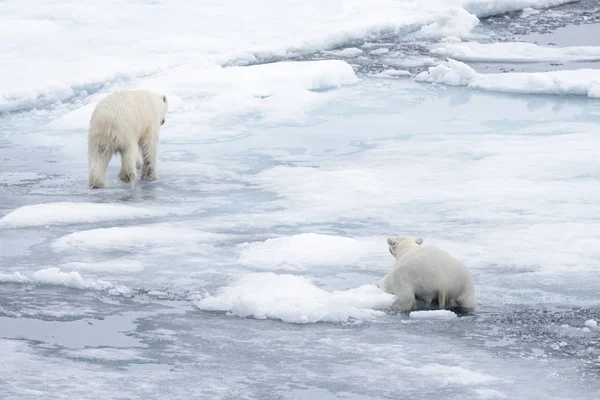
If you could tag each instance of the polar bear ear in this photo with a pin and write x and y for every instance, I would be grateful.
(391, 241)
(164, 99)
(419, 241)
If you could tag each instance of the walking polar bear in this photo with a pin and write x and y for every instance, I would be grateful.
(428, 275)
(125, 122)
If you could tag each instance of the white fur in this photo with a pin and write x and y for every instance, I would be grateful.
(426, 274)
(125, 122)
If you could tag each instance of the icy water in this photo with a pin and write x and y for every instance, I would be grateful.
(246, 270)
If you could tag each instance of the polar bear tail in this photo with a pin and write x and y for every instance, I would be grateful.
(99, 155)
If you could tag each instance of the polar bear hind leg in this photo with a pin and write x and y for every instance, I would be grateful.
(441, 298)
(99, 155)
(129, 156)
(149, 160)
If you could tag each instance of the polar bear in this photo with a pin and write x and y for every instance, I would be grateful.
(427, 275)
(125, 122)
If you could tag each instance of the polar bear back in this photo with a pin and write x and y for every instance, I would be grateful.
(136, 112)
(430, 268)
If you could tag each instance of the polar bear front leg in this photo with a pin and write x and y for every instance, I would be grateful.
(129, 157)
(139, 162)
(149, 155)
(405, 300)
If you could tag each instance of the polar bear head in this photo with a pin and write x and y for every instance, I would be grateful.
(164, 107)
(399, 245)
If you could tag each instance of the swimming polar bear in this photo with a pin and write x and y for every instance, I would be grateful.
(428, 275)
(125, 122)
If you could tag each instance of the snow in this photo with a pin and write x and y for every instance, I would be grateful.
(295, 299)
(303, 251)
(71, 213)
(515, 52)
(432, 315)
(569, 82)
(590, 323)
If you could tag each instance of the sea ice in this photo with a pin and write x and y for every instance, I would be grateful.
(71, 213)
(514, 52)
(580, 82)
(154, 237)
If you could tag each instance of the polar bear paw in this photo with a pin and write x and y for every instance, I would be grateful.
(127, 176)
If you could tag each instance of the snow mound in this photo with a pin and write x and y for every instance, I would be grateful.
(54, 276)
(155, 237)
(575, 82)
(307, 75)
(71, 213)
(457, 22)
(276, 92)
(433, 314)
(515, 52)
(299, 251)
(295, 299)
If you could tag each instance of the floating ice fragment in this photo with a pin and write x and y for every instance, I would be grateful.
(433, 314)
(590, 323)
(15, 277)
(577, 82)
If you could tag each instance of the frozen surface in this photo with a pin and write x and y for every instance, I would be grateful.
(71, 213)
(306, 250)
(247, 269)
(576, 82)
